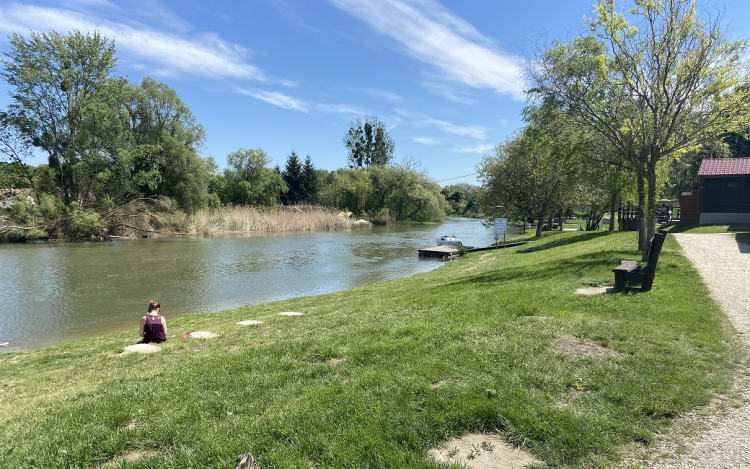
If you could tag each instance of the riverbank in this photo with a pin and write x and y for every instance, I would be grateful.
(382, 373)
(156, 219)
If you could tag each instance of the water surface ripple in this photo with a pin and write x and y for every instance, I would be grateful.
(55, 292)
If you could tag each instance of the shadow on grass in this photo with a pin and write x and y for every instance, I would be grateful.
(686, 227)
(599, 262)
(565, 241)
(678, 227)
(743, 242)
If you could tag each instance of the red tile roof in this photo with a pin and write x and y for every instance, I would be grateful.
(725, 167)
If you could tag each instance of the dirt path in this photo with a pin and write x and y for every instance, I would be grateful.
(724, 266)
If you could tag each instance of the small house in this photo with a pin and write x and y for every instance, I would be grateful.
(724, 195)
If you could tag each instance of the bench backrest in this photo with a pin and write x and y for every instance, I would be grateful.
(654, 249)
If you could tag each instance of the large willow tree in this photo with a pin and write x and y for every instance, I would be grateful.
(655, 81)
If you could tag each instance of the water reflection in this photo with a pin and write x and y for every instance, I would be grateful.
(51, 292)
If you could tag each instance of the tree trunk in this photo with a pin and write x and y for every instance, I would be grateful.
(642, 240)
(540, 217)
(612, 202)
(651, 207)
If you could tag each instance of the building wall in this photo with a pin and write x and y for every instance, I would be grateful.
(690, 206)
(724, 218)
(725, 194)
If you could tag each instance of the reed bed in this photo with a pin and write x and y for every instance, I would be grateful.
(249, 219)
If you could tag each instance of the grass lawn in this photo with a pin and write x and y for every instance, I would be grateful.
(687, 227)
(352, 382)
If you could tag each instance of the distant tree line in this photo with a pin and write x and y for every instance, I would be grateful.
(116, 150)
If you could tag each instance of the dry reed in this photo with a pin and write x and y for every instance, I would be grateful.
(248, 219)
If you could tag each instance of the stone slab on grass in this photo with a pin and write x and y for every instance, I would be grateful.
(203, 335)
(291, 313)
(249, 323)
(595, 290)
(572, 347)
(141, 348)
(483, 451)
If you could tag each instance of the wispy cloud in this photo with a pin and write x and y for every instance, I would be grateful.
(474, 131)
(378, 94)
(340, 109)
(204, 54)
(426, 140)
(479, 149)
(431, 33)
(157, 11)
(420, 120)
(287, 102)
(448, 92)
(278, 99)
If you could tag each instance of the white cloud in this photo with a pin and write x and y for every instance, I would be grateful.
(480, 149)
(206, 54)
(340, 109)
(420, 120)
(379, 94)
(474, 131)
(426, 140)
(277, 99)
(448, 92)
(433, 34)
(287, 102)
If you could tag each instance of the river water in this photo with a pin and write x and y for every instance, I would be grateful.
(55, 292)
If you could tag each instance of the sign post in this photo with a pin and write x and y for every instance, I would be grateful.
(500, 227)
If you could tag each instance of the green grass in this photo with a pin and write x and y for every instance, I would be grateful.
(349, 383)
(687, 227)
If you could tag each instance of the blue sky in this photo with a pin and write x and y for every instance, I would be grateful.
(289, 74)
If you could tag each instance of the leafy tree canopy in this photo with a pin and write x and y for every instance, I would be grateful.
(368, 143)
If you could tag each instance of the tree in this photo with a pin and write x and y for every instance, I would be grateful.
(525, 178)
(14, 154)
(292, 176)
(57, 101)
(310, 181)
(248, 181)
(654, 90)
(368, 143)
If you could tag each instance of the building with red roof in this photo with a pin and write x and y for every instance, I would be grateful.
(724, 195)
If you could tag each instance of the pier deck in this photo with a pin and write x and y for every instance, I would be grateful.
(448, 251)
(438, 251)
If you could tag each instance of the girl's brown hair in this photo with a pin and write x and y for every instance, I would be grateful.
(153, 305)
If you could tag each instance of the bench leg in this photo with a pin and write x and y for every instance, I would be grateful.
(619, 281)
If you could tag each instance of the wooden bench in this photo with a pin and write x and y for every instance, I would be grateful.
(631, 272)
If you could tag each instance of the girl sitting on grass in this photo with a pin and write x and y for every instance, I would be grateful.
(153, 326)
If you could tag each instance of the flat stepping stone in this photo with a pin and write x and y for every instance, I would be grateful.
(595, 290)
(141, 348)
(249, 323)
(291, 313)
(482, 451)
(203, 335)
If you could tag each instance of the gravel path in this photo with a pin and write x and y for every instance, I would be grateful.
(724, 266)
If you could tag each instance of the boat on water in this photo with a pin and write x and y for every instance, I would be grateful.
(449, 241)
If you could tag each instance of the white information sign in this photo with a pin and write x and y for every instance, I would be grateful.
(500, 225)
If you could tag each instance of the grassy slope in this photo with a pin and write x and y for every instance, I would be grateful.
(482, 324)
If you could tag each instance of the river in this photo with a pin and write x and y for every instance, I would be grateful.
(54, 292)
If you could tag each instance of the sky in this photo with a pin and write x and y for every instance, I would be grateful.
(281, 75)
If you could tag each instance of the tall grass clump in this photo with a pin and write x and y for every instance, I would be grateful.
(247, 219)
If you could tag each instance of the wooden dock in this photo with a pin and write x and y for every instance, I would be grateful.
(449, 251)
(438, 251)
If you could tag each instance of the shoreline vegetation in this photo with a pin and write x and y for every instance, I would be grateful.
(247, 219)
(490, 343)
